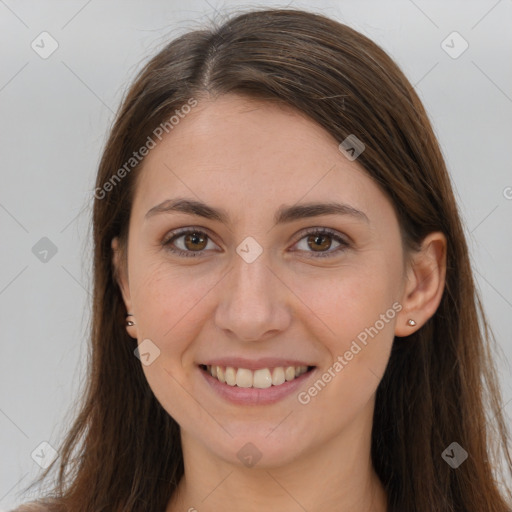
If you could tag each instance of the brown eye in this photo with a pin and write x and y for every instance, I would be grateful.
(320, 242)
(187, 242)
(195, 241)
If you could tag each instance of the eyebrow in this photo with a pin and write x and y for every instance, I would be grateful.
(284, 214)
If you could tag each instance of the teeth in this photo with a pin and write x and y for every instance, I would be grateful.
(289, 373)
(243, 378)
(278, 376)
(261, 379)
(230, 376)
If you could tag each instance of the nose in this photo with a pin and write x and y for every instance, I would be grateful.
(254, 302)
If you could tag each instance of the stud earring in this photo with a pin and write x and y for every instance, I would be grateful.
(129, 323)
(411, 322)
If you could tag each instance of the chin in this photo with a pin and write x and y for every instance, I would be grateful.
(256, 448)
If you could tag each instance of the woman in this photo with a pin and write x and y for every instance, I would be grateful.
(284, 316)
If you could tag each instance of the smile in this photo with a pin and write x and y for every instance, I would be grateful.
(261, 379)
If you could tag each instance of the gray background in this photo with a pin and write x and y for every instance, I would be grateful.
(55, 113)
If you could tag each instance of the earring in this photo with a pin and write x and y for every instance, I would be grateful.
(129, 323)
(411, 322)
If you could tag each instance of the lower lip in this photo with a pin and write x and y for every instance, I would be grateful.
(255, 396)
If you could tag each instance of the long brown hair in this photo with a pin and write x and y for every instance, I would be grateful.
(123, 451)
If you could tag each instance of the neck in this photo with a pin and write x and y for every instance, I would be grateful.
(338, 475)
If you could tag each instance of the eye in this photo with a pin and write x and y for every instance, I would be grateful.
(193, 241)
(319, 238)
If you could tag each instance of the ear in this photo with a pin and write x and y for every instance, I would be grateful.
(120, 272)
(121, 277)
(426, 274)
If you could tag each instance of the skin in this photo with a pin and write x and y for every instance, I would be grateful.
(250, 158)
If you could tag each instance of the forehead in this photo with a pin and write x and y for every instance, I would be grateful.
(251, 153)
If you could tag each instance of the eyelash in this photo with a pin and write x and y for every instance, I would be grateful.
(167, 242)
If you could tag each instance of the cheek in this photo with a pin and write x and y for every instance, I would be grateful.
(360, 312)
(355, 310)
(170, 305)
(352, 298)
(171, 313)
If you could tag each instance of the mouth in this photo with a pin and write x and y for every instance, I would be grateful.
(262, 378)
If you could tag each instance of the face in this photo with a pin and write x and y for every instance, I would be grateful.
(266, 288)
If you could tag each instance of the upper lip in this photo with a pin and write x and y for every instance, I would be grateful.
(254, 364)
